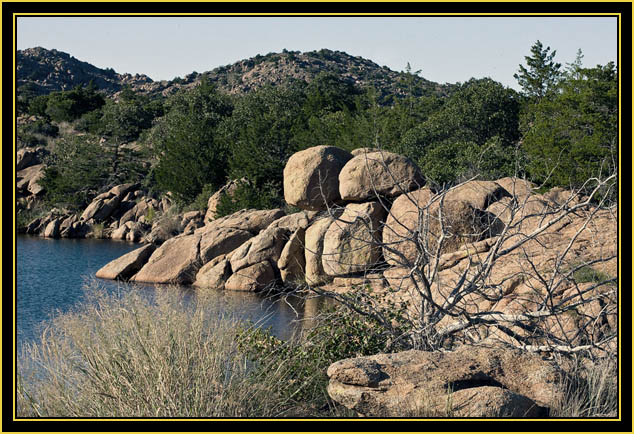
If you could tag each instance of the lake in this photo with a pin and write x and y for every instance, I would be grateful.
(51, 274)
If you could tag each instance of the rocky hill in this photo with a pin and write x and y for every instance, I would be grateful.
(47, 71)
(51, 70)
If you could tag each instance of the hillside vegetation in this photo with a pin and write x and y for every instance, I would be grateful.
(189, 136)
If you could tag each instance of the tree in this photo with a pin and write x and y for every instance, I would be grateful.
(477, 112)
(261, 133)
(124, 120)
(185, 142)
(78, 168)
(541, 74)
(70, 105)
(574, 134)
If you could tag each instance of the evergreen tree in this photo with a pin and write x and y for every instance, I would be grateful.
(186, 145)
(574, 135)
(541, 74)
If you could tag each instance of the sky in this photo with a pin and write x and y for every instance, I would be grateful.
(444, 49)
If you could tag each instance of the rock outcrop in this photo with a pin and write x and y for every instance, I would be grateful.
(470, 381)
(311, 177)
(228, 189)
(374, 174)
(252, 250)
(351, 243)
(313, 250)
(176, 261)
(27, 180)
(127, 265)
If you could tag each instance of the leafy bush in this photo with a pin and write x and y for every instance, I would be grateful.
(338, 334)
(41, 126)
(77, 169)
(70, 105)
(247, 195)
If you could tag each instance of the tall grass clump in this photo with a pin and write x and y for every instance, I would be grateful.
(591, 390)
(127, 356)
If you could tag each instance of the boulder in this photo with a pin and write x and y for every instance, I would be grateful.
(214, 274)
(404, 220)
(351, 243)
(159, 234)
(253, 278)
(27, 157)
(135, 234)
(176, 261)
(373, 174)
(292, 262)
(79, 230)
(492, 402)
(100, 208)
(314, 245)
(513, 382)
(361, 151)
(191, 216)
(311, 177)
(529, 210)
(52, 229)
(266, 246)
(34, 226)
(66, 226)
(561, 197)
(127, 265)
(121, 232)
(221, 241)
(214, 200)
(517, 187)
(478, 194)
(459, 222)
(27, 179)
(122, 190)
(294, 221)
(247, 220)
(373, 281)
(190, 228)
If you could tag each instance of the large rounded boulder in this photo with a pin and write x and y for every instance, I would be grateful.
(421, 220)
(311, 177)
(352, 242)
(372, 174)
(404, 219)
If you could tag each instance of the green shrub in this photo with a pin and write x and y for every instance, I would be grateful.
(247, 195)
(338, 333)
(589, 274)
(201, 200)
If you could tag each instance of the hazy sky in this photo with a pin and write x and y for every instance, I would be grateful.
(444, 49)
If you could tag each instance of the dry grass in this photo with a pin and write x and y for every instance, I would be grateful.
(591, 390)
(126, 357)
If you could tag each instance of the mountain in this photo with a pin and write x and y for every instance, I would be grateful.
(44, 71)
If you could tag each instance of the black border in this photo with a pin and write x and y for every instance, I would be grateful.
(355, 9)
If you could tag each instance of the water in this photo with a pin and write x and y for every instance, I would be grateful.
(51, 274)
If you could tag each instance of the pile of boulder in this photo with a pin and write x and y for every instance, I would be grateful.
(29, 166)
(467, 382)
(359, 213)
(364, 217)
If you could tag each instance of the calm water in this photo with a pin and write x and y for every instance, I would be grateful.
(51, 275)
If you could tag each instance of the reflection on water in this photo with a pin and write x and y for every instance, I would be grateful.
(284, 314)
(51, 275)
